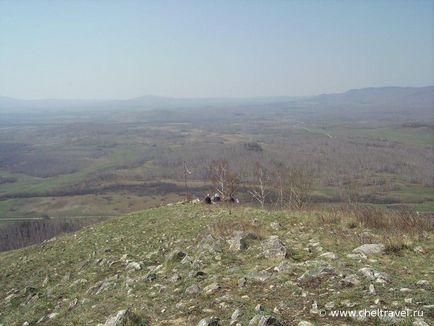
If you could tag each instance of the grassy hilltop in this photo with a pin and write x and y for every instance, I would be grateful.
(179, 264)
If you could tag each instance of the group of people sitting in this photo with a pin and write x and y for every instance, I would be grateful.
(216, 198)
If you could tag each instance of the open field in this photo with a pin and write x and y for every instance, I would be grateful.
(79, 166)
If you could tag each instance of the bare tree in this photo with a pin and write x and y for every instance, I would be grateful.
(225, 181)
(261, 186)
(298, 185)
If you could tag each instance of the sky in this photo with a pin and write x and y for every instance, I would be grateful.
(235, 48)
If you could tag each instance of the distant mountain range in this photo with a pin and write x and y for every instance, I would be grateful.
(367, 97)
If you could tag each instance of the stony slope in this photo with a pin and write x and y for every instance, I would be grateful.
(194, 264)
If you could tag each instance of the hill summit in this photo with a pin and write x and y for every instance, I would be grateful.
(216, 265)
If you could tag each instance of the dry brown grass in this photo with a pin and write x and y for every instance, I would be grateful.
(397, 221)
(226, 229)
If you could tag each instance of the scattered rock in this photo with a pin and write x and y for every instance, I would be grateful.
(133, 266)
(261, 276)
(423, 283)
(267, 320)
(193, 289)
(273, 247)
(238, 242)
(175, 256)
(304, 323)
(317, 273)
(284, 267)
(372, 274)
(420, 322)
(120, 319)
(236, 315)
(328, 255)
(213, 287)
(242, 282)
(276, 226)
(259, 308)
(210, 321)
(370, 249)
(210, 244)
(372, 289)
(351, 280)
(357, 256)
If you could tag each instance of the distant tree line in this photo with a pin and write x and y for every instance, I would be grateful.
(16, 235)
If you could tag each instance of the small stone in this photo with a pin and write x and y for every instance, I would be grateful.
(284, 267)
(304, 323)
(213, 287)
(329, 305)
(242, 282)
(422, 283)
(351, 280)
(420, 322)
(259, 308)
(371, 289)
(267, 320)
(193, 289)
(328, 255)
(276, 226)
(236, 315)
(408, 300)
(261, 276)
(175, 256)
(211, 321)
(133, 266)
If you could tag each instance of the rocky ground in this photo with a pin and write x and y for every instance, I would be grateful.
(202, 265)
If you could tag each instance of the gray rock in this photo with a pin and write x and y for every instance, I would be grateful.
(372, 274)
(255, 320)
(193, 289)
(151, 277)
(328, 255)
(304, 323)
(213, 287)
(370, 249)
(133, 265)
(357, 256)
(420, 322)
(242, 282)
(261, 276)
(120, 319)
(276, 226)
(317, 273)
(210, 244)
(210, 321)
(236, 315)
(351, 280)
(267, 320)
(284, 267)
(175, 256)
(239, 241)
(259, 308)
(175, 278)
(274, 248)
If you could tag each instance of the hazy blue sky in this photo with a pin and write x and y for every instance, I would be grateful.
(122, 49)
